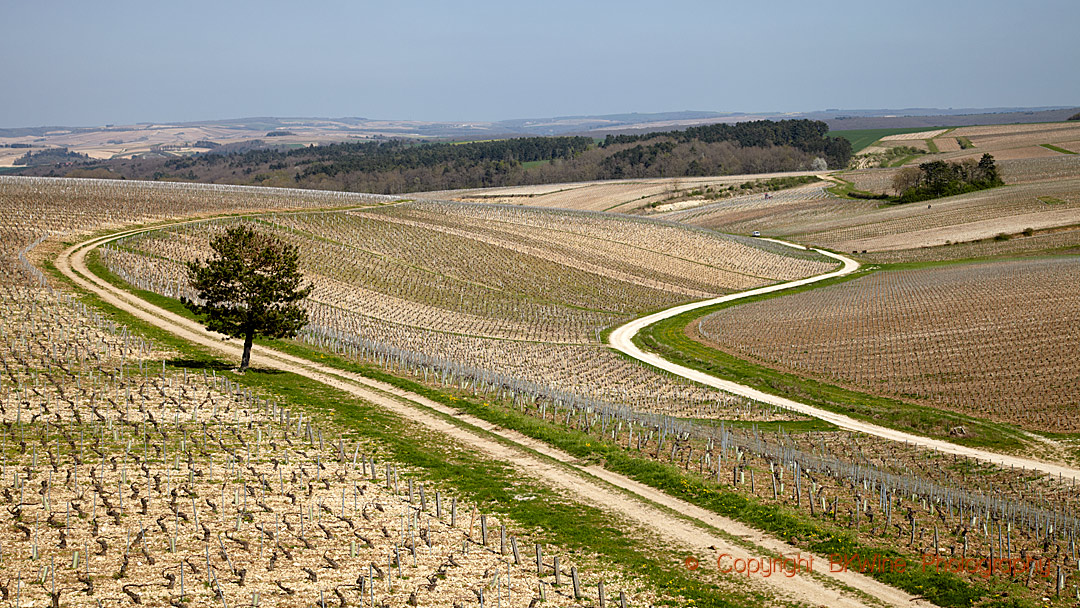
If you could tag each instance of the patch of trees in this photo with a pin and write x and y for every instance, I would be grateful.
(279, 133)
(1075, 116)
(498, 156)
(940, 178)
(806, 135)
(49, 156)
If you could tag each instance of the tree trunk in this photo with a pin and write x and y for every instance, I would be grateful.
(247, 351)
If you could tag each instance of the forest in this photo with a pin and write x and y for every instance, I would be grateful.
(400, 166)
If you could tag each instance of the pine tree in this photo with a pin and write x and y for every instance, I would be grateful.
(252, 286)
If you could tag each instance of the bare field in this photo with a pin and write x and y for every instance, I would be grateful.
(1004, 142)
(992, 340)
(1058, 240)
(921, 135)
(977, 215)
(947, 143)
(1043, 195)
(621, 196)
(1007, 142)
(1013, 171)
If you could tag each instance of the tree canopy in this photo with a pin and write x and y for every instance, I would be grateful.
(939, 178)
(251, 286)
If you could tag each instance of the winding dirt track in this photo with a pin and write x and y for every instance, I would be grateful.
(672, 522)
(622, 339)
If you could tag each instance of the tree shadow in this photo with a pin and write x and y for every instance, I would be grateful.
(208, 365)
(219, 366)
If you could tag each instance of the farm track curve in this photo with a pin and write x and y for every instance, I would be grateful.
(622, 339)
(670, 520)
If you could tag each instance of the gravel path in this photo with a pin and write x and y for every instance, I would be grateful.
(622, 339)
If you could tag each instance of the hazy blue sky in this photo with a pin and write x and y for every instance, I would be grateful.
(90, 63)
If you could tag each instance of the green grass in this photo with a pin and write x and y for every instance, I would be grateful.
(964, 143)
(847, 189)
(932, 146)
(1057, 149)
(668, 337)
(570, 525)
(863, 138)
(491, 485)
(903, 160)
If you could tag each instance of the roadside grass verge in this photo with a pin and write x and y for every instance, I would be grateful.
(669, 338)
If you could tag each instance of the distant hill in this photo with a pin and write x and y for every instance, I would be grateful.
(398, 166)
(179, 140)
(848, 120)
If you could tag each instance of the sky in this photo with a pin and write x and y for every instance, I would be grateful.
(94, 63)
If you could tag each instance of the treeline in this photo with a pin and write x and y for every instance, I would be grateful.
(938, 178)
(399, 166)
(806, 135)
(49, 156)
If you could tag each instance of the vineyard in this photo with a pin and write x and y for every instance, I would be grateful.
(130, 483)
(162, 487)
(1045, 200)
(133, 483)
(404, 282)
(1017, 142)
(623, 196)
(993, 340)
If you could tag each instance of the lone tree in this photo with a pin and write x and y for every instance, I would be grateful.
(251, 287)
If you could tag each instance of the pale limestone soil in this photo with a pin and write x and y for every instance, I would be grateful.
(670, 521)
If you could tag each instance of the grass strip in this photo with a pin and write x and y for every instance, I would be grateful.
(1057, 149)
(668, 338)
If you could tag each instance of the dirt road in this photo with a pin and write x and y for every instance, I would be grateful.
(672, 522)
(622, 339)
